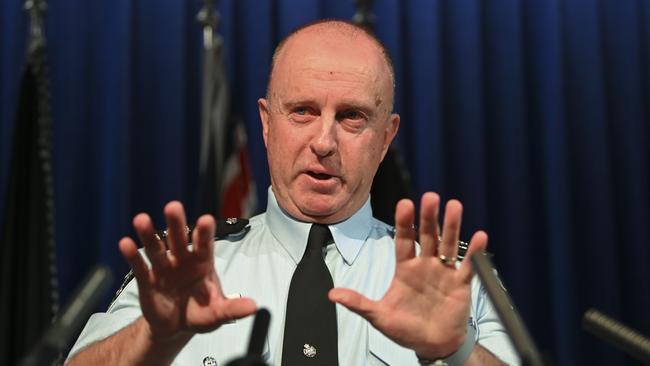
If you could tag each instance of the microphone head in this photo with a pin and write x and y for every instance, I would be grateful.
(256, 342)
(260, 330)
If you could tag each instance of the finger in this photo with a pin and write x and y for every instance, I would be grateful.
(451, 229)
(176, 229)
(429, 223)
(153, 247)
(477, 244)
(404, 233)
(355, 302)
(232, 309)
(203, 236)
(129, 251)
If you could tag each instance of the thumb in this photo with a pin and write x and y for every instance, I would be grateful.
(238, 308)
(354, 302)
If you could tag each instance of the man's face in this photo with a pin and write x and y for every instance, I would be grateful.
(327, 123)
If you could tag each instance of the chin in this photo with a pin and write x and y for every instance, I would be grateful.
(320, 208)
(327, 213)
(325, 207)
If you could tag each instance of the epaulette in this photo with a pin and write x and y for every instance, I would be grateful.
(225, 228)
(462, 249)
(462, 246)
(231, 226)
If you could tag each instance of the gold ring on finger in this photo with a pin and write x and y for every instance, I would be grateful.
(448, 261)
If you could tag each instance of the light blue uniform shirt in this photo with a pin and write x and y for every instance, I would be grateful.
(259, 264)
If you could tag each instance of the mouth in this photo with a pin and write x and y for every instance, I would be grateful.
(319, 176)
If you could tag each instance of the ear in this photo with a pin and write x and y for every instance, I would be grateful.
(263, 107)
(389, 133)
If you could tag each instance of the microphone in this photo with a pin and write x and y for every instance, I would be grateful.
(256, 343)
(617, 334)
(56, 338)
(512, 322)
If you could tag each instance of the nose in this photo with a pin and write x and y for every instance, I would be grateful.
(325, 141)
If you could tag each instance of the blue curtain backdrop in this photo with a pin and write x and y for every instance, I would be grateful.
(533, 112)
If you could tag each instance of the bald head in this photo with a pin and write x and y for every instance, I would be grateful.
(327, 120)
(335, 31)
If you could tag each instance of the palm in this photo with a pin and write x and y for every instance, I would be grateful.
(181, 290)
(423, 302)
(181, 298)
(427, 304)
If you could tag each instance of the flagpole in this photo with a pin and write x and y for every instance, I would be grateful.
(208, 18)
(27, 228)
(364, 17)
(35, 9)
(212, 128)
(36, 64)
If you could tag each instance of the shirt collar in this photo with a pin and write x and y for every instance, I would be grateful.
(349, 235)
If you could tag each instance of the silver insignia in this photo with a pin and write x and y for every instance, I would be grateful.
(309, 350)
(209, 361)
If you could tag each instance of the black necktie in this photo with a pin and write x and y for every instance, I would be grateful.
(310, 332)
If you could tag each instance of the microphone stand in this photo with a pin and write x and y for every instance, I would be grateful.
(512, 322)
(57, 338)
(256, 343)
(615, 333)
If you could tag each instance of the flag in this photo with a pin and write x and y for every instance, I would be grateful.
(28, 286)
(226, 185)
(238, 193)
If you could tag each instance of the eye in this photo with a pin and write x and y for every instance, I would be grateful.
(301, 111)
(352, 119)
(301, 114)
(352, 115)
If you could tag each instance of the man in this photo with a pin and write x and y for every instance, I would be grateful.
(327, 124)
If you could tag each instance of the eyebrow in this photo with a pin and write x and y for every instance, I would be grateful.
(368, 107)
(296, 102)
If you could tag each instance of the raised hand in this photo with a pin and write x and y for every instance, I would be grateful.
(426, 307)
(180, 292)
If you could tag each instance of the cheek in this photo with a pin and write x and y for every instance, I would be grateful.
(362, 155)
(283, 147)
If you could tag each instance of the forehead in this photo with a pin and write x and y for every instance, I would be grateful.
(326, 58)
